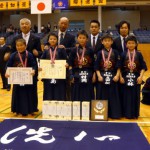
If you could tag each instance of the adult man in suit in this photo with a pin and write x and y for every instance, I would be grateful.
(33, 46)
(67, 41)
(4, 56)
(94, 40)
(119, 43)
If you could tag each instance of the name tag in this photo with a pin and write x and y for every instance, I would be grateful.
(107, 77)
(53, 81)
(83, 76)
(130, 79)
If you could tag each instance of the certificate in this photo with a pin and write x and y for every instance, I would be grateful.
(20, 75)
(52, 71)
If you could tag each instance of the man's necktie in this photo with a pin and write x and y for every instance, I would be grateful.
(124, 44)
(93, 42)
(25, 38)
(61, 37)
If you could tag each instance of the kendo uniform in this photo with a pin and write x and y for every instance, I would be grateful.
(82, 89)
(108, 89)
(131, 90)
(146, 92)
(22, 95)
(3, 50)
(33, 43)
(54, 89)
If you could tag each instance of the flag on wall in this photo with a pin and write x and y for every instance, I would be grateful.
(87, 2)
(12, 5)
(75, 2)
(2, 5)
(60, 4)
(100, 2)
(41, 6)
(23, 4)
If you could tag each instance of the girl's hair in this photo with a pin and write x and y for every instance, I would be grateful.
(131, 38)
(82, 32)
(21, 40)
(52, 34)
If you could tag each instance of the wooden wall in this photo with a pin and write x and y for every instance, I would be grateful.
(145, 50)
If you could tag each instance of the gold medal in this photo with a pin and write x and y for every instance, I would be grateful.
(52, 65)
(131, 70)
(80, 66)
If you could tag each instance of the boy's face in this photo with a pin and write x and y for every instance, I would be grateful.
(20, 46)
(94, 28)
(107, 42)
(82, 39)
(124, 30)
(131, 45)
(52, 41)
(2, 40)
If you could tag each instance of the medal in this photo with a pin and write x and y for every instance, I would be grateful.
(80, 61)
(131, 70)
(52, 56)
(80, 66)
(131, 64)
(107, 63)
(52, 65)
(24, 64)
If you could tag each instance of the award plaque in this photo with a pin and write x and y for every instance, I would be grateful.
(60, 110)
(99, 110)
(85, 110)
(76, 110)
(49, 110)
(67, 110)
(46, 110)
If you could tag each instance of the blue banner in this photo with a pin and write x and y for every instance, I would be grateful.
(60, 4)
(70, 135)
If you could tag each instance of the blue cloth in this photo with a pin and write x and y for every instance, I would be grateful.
(131, 137)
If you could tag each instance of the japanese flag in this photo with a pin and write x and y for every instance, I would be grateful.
(41, 6)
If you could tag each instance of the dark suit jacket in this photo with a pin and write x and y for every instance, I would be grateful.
(3, 50)
(98, 45)
(68, 41)
(33, 43)
(118, 45)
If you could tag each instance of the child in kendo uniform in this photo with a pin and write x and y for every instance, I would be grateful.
(107, 68)
(22, 95)
(132, 71)
(54, 89)
(81, 69)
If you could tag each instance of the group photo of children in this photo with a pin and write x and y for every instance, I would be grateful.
(98, 67)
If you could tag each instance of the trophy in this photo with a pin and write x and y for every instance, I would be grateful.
(99, 110)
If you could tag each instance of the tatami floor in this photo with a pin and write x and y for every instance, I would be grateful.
(5, 109)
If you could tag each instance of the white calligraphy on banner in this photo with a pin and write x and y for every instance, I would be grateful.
(37, 136)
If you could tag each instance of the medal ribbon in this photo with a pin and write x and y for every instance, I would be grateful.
(24, 64)
(106, 60)
(52, 55)
(131, 60)
(80, 60)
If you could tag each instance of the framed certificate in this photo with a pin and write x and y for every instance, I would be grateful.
(20, 75)
(52, 71)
